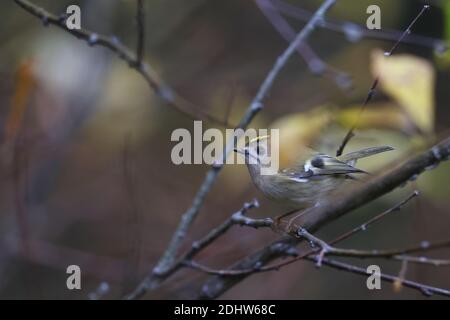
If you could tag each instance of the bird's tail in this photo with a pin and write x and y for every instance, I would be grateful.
(353, 156)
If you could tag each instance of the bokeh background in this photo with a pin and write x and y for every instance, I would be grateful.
(85, 171)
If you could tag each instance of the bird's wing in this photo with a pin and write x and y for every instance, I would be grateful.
(320, 165)
(296, 174)
(326, 165)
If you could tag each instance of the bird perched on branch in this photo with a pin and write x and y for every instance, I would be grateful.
(312, 178)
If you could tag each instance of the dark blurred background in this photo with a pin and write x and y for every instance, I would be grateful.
(85, 170)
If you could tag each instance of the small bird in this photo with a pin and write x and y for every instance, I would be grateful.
(312, 178)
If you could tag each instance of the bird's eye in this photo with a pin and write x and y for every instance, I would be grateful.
(318, 163)
(260, 151)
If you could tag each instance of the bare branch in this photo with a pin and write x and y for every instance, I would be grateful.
(401, 276)
(329, 211)
(327, 249)
(166, 93)
(424, 289)
(253, 223)
(236, 218)
(218, 272)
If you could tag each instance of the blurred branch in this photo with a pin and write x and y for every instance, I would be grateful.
(315, 64)
(169, 256)
(100, 292)
(135, 62)
(134, 236)
(424, 289)
(350, 134)
(355, 32)
(424, 260)
(329, 211)
(15, 148)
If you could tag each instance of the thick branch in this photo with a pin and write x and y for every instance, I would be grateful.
(315, 64)
(355, 32)
(334, 209)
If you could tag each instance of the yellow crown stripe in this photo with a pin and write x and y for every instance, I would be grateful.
(259, 138)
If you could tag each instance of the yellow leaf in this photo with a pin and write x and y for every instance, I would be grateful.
(410, 81)
(378, 115)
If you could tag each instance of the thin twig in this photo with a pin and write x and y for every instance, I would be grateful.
(315, 64)
(100, 292)
(350, 134)
(398, 284)
(166, 93)
(424, 289)
(327, 249)
(371, 221)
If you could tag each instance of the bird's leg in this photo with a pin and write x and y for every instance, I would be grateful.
(301, 214)
(277, 221)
